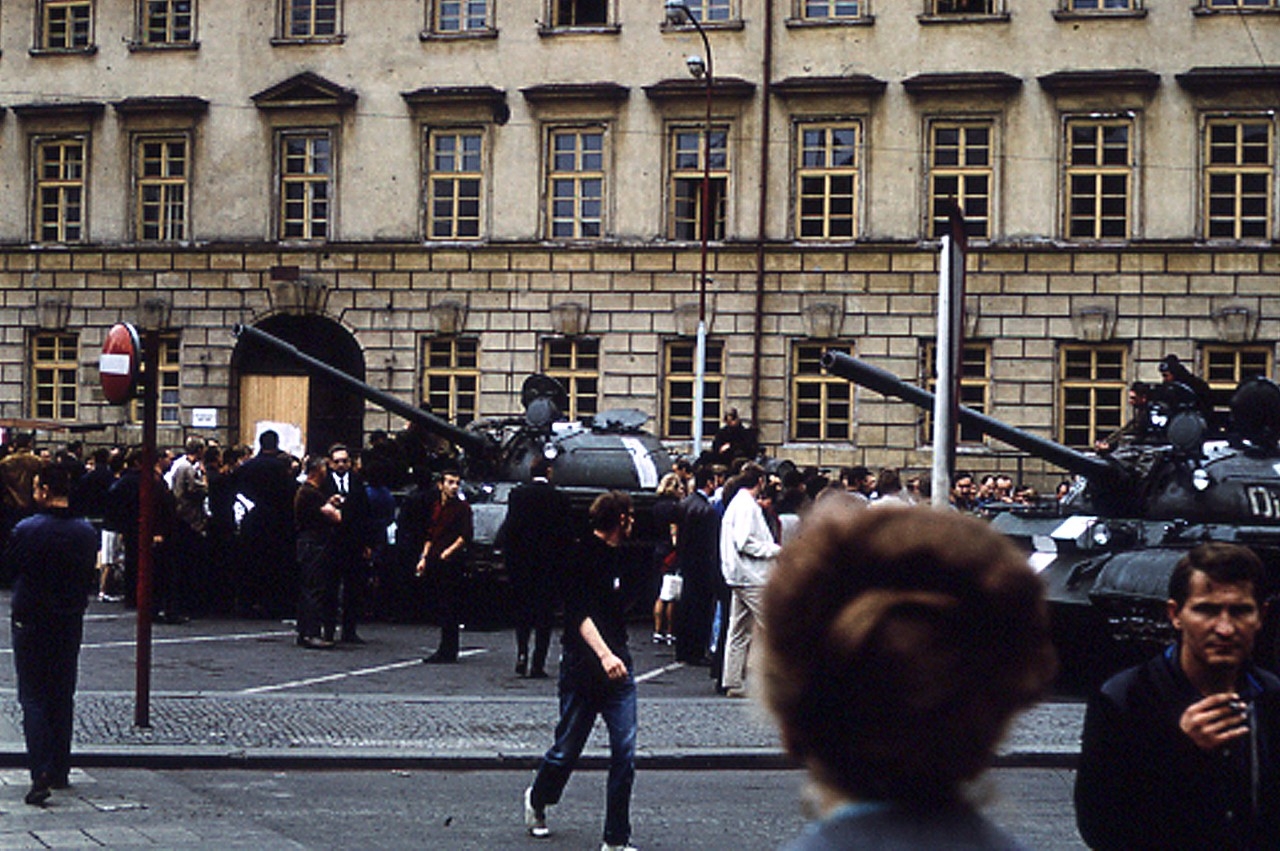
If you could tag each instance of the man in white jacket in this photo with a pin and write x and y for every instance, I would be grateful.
(747, 550)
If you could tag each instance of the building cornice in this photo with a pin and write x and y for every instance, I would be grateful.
(722, 88)
(1085, 82)
(89, 109)
(555, 93)
(305, 91)
(1215, 80)
(853, 85)
(177, 105)
(447, 98)
(962, 82)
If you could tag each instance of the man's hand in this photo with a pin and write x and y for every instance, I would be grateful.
(1215, 720)
(614, 668)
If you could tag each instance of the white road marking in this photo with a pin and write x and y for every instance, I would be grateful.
(342, 675)
(188, 639)
(674, 666)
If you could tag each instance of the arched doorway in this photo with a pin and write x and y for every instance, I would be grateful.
(268, 387)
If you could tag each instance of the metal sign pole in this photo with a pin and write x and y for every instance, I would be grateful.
(146, 527)
(949, 346)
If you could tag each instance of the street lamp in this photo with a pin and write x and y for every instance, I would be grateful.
(700, 69)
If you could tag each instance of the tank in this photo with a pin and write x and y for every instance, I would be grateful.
(1106, 551)
(609, 451)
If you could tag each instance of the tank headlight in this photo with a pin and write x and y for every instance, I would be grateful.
(550, 451)
(1200, 480)
(1101, 535)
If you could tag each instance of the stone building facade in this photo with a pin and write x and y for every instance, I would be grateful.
(443, 197)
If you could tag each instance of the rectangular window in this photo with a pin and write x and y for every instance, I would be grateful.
(311, 18)
(161, 169)
(168, 407)
(964, 7)
(1225, 367)
(680, 376)
(1092, 392)
(579, 13)
(575, 184)
(306, 185)
(54, 364)
(1239, 170)
(60, 190)
(1243, 4)
(961, 171)
(821, 404)
(1099, 162)
(975, 386)
(168, 22)
(575, 363)
(687, 158)
(831, 10)
(711, 11)
(455, 180)
(66, 24)
(461, 16)
(451, 379)
(827, 178)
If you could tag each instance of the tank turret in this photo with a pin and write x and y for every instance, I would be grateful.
(1107, 550)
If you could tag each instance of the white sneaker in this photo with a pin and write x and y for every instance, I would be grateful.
(607, 847)
(534, 820)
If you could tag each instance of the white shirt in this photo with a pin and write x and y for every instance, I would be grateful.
(747, 548)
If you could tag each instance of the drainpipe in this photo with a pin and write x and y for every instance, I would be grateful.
(766, 87)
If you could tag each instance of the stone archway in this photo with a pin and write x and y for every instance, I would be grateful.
(269, 387)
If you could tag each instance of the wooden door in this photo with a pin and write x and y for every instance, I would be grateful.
(279, 401)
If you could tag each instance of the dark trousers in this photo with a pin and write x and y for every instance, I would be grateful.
(45, 657)
(580, 703)
(535, 609)
(446, 581)
(354, 575)
(318, 597)
(693, 618)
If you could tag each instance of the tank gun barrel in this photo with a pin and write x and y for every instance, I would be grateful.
(476, 444)
(886, 383)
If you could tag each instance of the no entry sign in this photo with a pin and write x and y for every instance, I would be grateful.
(120, 363)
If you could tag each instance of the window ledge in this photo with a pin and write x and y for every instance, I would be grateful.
(821, 23)
(64, 51)
(707, 26)
(1098, 15)
(550, 30)
(485, 34)
(288, 41)
(1207, 12)
(1001, 18)
(162, 47)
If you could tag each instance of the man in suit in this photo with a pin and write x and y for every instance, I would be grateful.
(351, 540)
(698, 560)
(535, 536)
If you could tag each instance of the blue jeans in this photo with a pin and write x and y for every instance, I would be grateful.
(45, 654)
(582, 698)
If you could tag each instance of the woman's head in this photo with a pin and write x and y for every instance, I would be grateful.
(900, 643)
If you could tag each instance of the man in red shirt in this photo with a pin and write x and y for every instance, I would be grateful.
(443, 554)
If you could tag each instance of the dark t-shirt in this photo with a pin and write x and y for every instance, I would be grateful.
(595, 589)
(307, 516)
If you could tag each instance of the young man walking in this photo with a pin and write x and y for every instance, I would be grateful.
(595, 675)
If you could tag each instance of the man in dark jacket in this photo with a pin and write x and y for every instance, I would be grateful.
(1184, 750)
(448, 534)
(51, 555)
(351, 538)
(264, 488)
(535, 537)
(698, 560)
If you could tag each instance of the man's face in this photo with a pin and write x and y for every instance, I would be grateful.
(964, 488)
(1218, 624)
(867, 484)
(449, 485)
(340, 461)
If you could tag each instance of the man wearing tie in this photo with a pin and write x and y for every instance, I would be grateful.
(351, 545)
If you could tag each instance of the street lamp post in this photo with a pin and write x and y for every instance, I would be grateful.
(676, 11)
